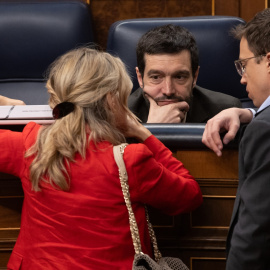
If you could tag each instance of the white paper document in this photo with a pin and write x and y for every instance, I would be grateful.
(25, 112)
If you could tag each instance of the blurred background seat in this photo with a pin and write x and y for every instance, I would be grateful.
(32, 35)
(217, 49)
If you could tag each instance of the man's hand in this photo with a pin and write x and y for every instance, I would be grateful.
(169, 113)
(228, 120)
(5, 101)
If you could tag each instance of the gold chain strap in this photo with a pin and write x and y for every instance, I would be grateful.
(153, 238)
(118, 155)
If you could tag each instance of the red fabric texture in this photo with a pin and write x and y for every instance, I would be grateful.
(87, 227)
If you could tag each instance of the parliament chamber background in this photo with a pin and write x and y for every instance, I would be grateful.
(198, 238)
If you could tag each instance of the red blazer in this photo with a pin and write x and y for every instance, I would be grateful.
(87, 227)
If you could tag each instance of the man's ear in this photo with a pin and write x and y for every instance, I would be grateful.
(268, 61)
(139, 77)
(196, 77)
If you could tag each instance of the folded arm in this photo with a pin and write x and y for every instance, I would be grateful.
(227, 121)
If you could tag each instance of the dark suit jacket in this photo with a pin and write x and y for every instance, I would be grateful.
(248, 243)
(205, 104)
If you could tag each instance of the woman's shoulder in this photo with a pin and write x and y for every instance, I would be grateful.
(150, 146)
(137, 151)
(30, 132)
(31, 127)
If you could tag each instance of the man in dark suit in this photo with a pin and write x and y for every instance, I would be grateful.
(168, 68)
(248, 243)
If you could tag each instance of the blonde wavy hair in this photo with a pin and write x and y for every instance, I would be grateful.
(84, 77)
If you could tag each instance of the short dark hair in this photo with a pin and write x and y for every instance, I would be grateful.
(167, 39)
(256, 32)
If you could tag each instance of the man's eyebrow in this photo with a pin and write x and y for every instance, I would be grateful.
(178, 72)
(154, 71)
(243, 59)
(181, 72)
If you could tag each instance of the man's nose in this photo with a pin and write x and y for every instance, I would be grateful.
(243, 79)
(168, 88)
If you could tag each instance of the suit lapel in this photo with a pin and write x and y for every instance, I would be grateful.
(257, 113)
(197, 112)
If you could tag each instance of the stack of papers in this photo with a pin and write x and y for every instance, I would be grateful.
(10, 115)
(25, 112)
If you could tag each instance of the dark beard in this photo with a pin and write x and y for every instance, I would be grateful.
(189, 99)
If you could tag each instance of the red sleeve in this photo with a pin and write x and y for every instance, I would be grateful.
(13, 146)
(160, 180)
(12, 152)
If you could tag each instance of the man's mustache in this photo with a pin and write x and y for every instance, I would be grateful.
(171, 97)
(165, 98)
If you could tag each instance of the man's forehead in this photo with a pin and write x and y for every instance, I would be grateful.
(183, 53)
(166, 60)
(244, 51)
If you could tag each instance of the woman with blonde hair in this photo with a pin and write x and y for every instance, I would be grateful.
(74, 215)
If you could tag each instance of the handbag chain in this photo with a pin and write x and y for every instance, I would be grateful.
(118, 151)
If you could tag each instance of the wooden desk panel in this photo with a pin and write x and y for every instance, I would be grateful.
(199, 238)
(11, 198)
